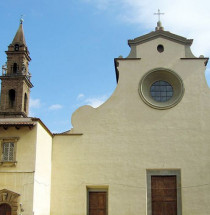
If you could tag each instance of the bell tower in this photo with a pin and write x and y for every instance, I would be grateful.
(16, 84)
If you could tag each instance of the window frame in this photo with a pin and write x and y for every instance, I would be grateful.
(163, 172)
(3, 140)
(9, 148)
(163, 74)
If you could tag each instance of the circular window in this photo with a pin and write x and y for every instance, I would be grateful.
(161, 88)
(161, 91)
(160, 48)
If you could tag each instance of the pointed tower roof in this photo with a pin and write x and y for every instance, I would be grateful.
(19, 36)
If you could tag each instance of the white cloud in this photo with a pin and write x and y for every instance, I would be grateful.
(55, 107)
(80, 96)
(31, 113)
(96, 102)
(35, 103)
(187, 18)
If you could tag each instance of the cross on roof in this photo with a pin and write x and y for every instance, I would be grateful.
(159, 13)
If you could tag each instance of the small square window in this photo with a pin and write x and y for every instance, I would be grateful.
(8, 151)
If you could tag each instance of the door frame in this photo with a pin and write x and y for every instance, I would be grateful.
(163, 172)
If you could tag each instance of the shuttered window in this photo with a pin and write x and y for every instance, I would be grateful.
(8, 151)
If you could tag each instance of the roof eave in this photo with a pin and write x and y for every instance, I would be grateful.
(163, 34)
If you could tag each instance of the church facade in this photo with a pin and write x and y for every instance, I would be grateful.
(145, 151)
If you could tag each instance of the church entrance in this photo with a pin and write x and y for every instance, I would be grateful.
(97, 203)
(5, 209)
(164, 195)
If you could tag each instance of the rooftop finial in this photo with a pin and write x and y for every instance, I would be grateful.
(21, 19)
(19, 36)
(159, 24)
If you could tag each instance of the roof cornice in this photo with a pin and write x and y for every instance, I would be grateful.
(18, 77)
(23, 122)
(163, 34)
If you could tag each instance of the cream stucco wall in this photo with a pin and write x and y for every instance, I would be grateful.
(31, 177)
(20, 179)
(124, 137)
(42, 177)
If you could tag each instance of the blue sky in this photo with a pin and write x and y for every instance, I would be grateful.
(73, 44)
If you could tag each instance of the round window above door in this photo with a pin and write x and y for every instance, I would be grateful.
(161, 88)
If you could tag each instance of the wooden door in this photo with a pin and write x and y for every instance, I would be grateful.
(164, 195)
(5, 209)
(97, 203)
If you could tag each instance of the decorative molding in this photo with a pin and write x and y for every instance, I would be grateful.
(163, 74)
(10, 198)
(7, 139)
(8, 164)
(163, 34)
(206, 59)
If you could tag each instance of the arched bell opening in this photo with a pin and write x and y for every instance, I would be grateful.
(25, 102)
(11, 98)
(15, 68)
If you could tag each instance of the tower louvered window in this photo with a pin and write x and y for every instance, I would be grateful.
(8, 151)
